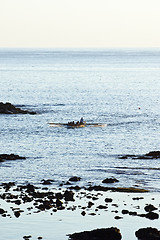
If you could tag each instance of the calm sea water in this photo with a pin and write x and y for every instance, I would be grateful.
(117, 87)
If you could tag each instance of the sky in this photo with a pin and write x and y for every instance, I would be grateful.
(79, 23)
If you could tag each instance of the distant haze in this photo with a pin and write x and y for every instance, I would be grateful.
(79, 23)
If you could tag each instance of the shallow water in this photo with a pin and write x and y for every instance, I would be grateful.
(119, 88)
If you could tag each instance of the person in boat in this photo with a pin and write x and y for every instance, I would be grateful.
(81, 120)
(71, 123)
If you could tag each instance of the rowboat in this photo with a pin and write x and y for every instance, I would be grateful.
(74, 125)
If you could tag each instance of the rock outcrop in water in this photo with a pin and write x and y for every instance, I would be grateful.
(97, 234)
(150, 155)
(8, 108)
(115, 189)
(74, 179)
(148, 234)
(12, 156)
(110, 180)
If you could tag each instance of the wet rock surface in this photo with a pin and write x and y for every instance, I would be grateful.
(148, 234)
(150, 155)
(47, 182)
(110, 180)
(150, 208)
(8, 108)
(98, 234)
(74, 179)
(114, 189)
(4, 157)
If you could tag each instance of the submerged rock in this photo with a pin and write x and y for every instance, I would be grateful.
(8, 108)
(47, 182)
(98, 234)
(148, 234)
(118, 189)
(110, 180)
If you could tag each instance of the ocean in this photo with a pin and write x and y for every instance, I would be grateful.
(118, 88)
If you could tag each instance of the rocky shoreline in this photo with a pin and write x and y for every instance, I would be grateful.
(8, 108)
(29, 199)
(45, 198)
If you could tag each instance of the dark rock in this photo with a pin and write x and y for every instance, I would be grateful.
(148, 234)
(27, 237)
(7, 186)
(83, 213)
(133, 213)
(98, 234)
(37, 194)
(150, 155)
(17, 213)
(92, 214)
(114, 204)
(74, 179)
(137, 198)
(102, 207)
(47, 204)
(75, 188)
(152, 215)
(27, 199)
(118, 189)
(94, 198)
(41, 207)
(117, 217)
(149, 215)
(125, 211)
(59, 195)
(18, 202)
(90, 204)
(11, 156)
(59, 203)
(110, 180)
(8, 108)
(4, 215)
(150, 208)
(30, 188)
(47, 182)
(107, 200)
(67, 183)
(154, 154)
(2, 211)
(68, 196)
(61, 208)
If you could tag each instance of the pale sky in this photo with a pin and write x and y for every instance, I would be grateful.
(79, 23)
